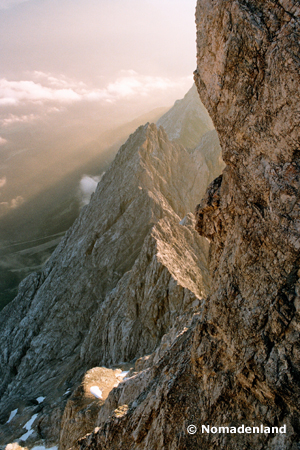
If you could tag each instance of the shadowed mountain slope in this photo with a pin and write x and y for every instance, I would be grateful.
(130, 266)
(52, 195)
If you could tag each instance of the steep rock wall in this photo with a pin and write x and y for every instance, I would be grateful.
(252, 213)
(238, 363)
(131, 264)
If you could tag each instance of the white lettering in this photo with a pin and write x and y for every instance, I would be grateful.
(205, 429)
(243, 429)
(223, 430)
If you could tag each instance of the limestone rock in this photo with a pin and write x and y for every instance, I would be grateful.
(238, 362)
(189, 124)
(130, 266)
(208, 157)
(83, 406)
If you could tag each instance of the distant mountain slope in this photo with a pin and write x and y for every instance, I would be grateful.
(56, 203)
(127, 269)
(53, 210)
(208, 156)
(187, 121)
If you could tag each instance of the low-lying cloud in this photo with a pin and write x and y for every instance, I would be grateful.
(129, 84)
(2, 182)
(12, 204)
(87, 186)
(16, 92)
(13, 118)
(2, 142)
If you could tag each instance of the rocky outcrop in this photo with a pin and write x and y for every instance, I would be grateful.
(84, 404)
(238, 362)
(131, 266)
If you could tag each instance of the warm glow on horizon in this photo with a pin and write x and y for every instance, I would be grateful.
(63, 51)
(72, 71)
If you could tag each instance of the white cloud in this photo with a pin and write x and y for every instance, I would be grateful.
(87, 186)
(17, 202)
(129, 84)
(13, 118)
(7, 4)
(62, 82)
(2, 141)
(2, 182)
(13, 204)
(14, 92)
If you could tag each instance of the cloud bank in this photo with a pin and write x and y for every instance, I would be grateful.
(128, 85)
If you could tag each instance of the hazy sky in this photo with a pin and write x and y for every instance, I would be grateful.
(62, 51)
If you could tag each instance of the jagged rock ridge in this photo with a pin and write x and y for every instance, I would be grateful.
(130, 266)
(238, 363)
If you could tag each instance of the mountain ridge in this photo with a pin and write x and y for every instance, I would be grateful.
(135, 241)
(237, 364)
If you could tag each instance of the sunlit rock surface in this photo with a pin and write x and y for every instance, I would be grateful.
(130, 267)
(238, 362)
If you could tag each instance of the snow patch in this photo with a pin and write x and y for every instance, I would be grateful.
(123, 374)
(67, 392)
(12, 415)
(25, 436)
(96, 392)
(183, 221)
(27, 427)
(40, 399)
(41, 447)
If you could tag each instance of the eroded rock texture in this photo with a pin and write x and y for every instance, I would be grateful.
(251, 214)
(130, 267)
(239, 361)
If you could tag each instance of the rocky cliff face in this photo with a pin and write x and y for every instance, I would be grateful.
(130, 269)
(238, 362)
(251, 214)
